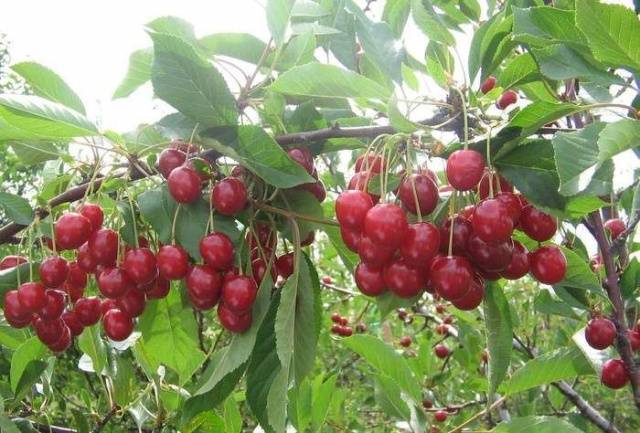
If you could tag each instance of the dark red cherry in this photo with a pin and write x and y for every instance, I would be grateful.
(426, 193)
(88, 310)
(217, 250)
(13, 308)
(374, 254)
(70, 318)
(548, 264)
(491, 221)
(9, 262)
(352, 207)
(284, 265)
(488, 84)
(103, 245)
(519, 265)
(85, 259)
(54, 307)
(538, 225)
(633, 335)
(93, 213)
(464, 169)
(238, 171)
(600, 333)
(404, 280)
(49, 331)
(302, 157)
(53, 271)
(183, 146)
(184, 184)
(18, 323)
(614, 374)
(77, 277)
(113, 282)
(239, 293)
(405, 341)
(473, 298)
(203, 285)
(173, 262)
(201, 166)
(264, 253)
(420, 244)
(491, 257)
(370, 280)
(170, 159)
(360, 181)
(159, 289)
(108, 304)
(132, 302)
(308, 240)
(461, 231)
(615, 226)
(451, 276)
(317, 189)
(267, 238)
(259, 270)
(232, 321)
(386, 224)
(513, 205)
(71, 230)
(351, 238)
(64, 341)
(32, 297)
(500, 184)
(117, 324)
(368, 162)
(507, 98)
(441, 352)
(229, 196)
(140, 265)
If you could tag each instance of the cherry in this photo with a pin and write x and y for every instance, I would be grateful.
(259, 270)
(108, 304)
(440, 308)
(317, 189)
(170, 159)
(491, 221)
(77, 277)
(229, 196)
(9, 262)
(217, 250)
(64, 342)
(361, 328)
(49, 331)
(204, 284)
(360, 181)
(336, 317)
(267, 238)
(284, 265)
(420, 244)
(402, 314)
(17, 322)
(32, 297)
(345, 331)
(615, 226)
(132, 302)
(440, 415)
(302, 157)
(173, 262)
(426, 193)
(507, 98)
(70, 318)
(352, 207)
(462, 230)
(368, 162)
(140, 265)
(85, 259)
(464, 169)
(600, 333)
(54, 307)
(500, 184)
(239, 293)
(351, 238)
(103, 245)
(441, 351)
(238, 171)
(113, 282)
(537, 225)
(309, 239)
(14, 310)
(93, 213)
(374, 254)
(614, 374)
(160, 289)
(404, 280)
(88, 310)
(183, 146)
(513, 205)
(519, 265)
(184, 184)
(405, 341)
(548, 264)
(488, 84)
(451, 276)
(634, 339)
(326, 279)
(369, 280)
(117, 324)
(344, 321)
(385, 224)
(201, 166)
(491, 257)
(427, 404)
(336, 329)
(53, 271)
(232, 321)
(467, 212)
(473, 298)
(71, 230)
(266, 253)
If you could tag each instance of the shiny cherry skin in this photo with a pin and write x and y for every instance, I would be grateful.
(316, 188)
(93, 213)
(85, 259)
(374, 254)
(9, 262)
(201, 166)
(600, 333)
(368, 162)
(404, 280)
(507, 98)
(548, 264)
(173, 262)
(513, 205)
(203, 285)
(140, 265)
(53, 271)
(440, 416)
(519, 265)
(70, 318)
(266, 237)
(159, 289)
(302, 157)
(18, 323)
(615, 226)
(239, 293)
(386, 224)
(473, 298)
(614, 374)
(64, 342)
(32, 296)
(114, 282)
(132, 302)
(370, 280)
(259, 270)
(77, 277)
(351, 238)
(49, 331)
(426, 192)
(117, 324)
(451, 276)
(490, 257)
(71, 230)
(420, 244)
(284, 265)
(500, 184)
(170, 159)
(108, 304)
(217, 251)
(229, 196)
(405, 341)
(184, 184)
(488, 84)
(538, 225)
(464, 169)
(88, 310)
(441, 351)
(54, 307)
(233, 321)
(461, 232)
(633, 335)
(491, 221)
(103, 245)
(13, 309)
(351, 208)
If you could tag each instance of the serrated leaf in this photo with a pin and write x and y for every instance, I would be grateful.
(90, 343)
(440, 63)
(35, 152)
(536, 424)
(278, 15)
(578, 274)
(534, 116)
(173, 26)
(559, 62)
(519, 70)
(617, 137)
(138, 73)
(49, 85)
(396, 13)
(30, 351)
(430, 22)
(16, 208)
(381, 47)
(538, 26)
(298, 51)
(499, 335)
(242, 46)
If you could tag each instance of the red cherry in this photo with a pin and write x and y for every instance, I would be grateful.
(54, 307)
(160, 289)
(265, 253)
(326, 279)
(183, 146)
(385, 224)
(369, 162)
(173, 262)
(49, 331)
(344, 321)
(229, 196)
(18, 323)
(232, 321)
(64, 342)
(9, 262)
(405, 341)
(88, 310)
(461, 231)
(615, 226)
(370, 280)
(464, 169)
(427, 404)
(259, 270)
(336, 317)
(600, 333)
(634, 339)
(203, 285)
(500, 184)
(302, 157)
(441, 351)
(614, 374)
(317, 189)
(108, 304)
(351, 238)
(32, 297)
(473, 298)
(491, 257)
(132, 302)
(239, 293)
(361, 328)
(170, 159)
(267, 238)
(103, 245)
(403, 280)
(201, 166)
(85, 259)
(77, 277)
(374, 254)
(440, 416)
(93, 213)
(346, 331)
(117, 324)
(284, 265)
(360, 181)
(440, 308)
(71, 230)
(217, 250)
(548, 264)
(491, 221)
(184, 184)
(238, 171)
(426, 192)
(13, 309)
(507, 98)
(519, 265)
(420, 244)
(537, 225)
(513, 205)
(352, 207)
(70, 319)
(451, 276)
(53, 271)
(113, 282)
(488, 84)
(140, 265)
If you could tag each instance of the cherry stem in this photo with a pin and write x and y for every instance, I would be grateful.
(464, 114)
(292, 214)
(133, 220)
(173, 225)
(53, 234)
(452, 206)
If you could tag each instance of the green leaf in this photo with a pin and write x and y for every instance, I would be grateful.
(298, 51)
(559, 62)
(173, 26)
(388, 396)
(49, 85)
(232, 416)
(540, 26)
(536, 115)
(546, 304)
(315, 79)
(381, 47)
(158, 209)
(252, 147)
(430, 22)
(16, 208)
(617, 137)
(35, 152)
(278, 15)
(322, 396)
(313, 28)
(242, 46)
(493, 45)
(90, 342)
(348, 257)
(499, 335)
(396, 13)
(10, 278)
(440, 63)
(519, 70)
(30, 351)
(188, 82)
(536, 424)
(486, 29)
(579, 275)
(611, 31)
(563, 363)
(8, 426)
(308, 8)
(398, 120)
(630, 279)
(138, 73)
(303, 203)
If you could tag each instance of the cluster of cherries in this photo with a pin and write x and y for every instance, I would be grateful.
(507, 98)
(453, 260)
(341, 326)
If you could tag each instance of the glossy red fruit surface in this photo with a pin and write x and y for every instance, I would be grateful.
(461, 232)
(85, 259)
(70, 319)
(232, 321)
(54, 307)
(201, 166)
(404, 280)
(490, 257)
(239, 293)
(184, 184)
(451, 276)
(107, 304)
(140, 265)
(420, 244)
(217, 250)
(13, 309)
(266, 236)
(71, 230)
(351, 238)
(170, 159)
(117, 324)
(519, 265)
(548, 264)
(614, 374)
(615, 226)
(370, 280)
(103, 245)
(229, 196)
(600, 333)
(373, 253)
(132, 302)
(64, 342)
(49, 331)
(159, 289)
(204, 284)
(440, 415)
(426, 193)
(284, 265)
(405, 341)
(464, 169)
(302, 157)
(500, 184)
(173, 262)
(53, 271)
(77, 277)
(488, 84)
(507, 98)
(385, 224)
(32, 297)
(537, 225)
(93, 213)
(317, 189)
(491, 221)
(352, 207)
(9, 262)
(441, 351)
(473, 298)
(368, 162)
(88, 310)
(259, 270)
(513, 205)
(633, 335)
(113, 282)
